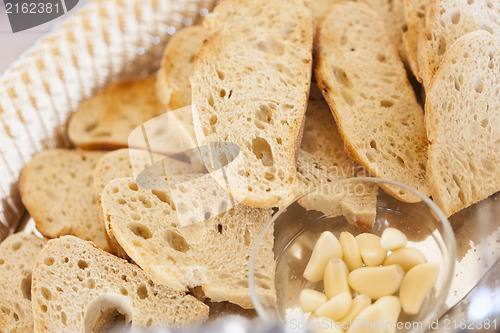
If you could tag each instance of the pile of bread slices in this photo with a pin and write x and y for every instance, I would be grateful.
(310, 91)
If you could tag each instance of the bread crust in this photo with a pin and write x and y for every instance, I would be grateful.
(414, 174)
(463, 153)
(282, 140)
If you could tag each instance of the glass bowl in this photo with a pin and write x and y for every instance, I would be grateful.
(297, 229)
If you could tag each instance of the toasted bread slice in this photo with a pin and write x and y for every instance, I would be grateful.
(463, 123)
(213, 254)
(106, 120)
(322, 160)
(448, 20)
(124, 163)
(173, 85)
(80, 288)
(415, 20)
(373, 103)
(56, 188)
(250, 88)
(17, 257)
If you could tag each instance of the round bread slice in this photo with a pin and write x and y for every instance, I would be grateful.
(173, 85)
(17, 257)
(123, 163)
(448, 20)
(463, 123)
(80, 288)
(57, 189)
(213, 253)
(106, 120)
(250, 88)
(366, 86)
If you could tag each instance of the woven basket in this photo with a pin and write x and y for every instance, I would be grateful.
(106, 41)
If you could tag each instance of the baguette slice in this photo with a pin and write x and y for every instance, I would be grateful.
(250, 88)
(56, 188)
(213, 254)
(415, 19)
(80, 288)
(17, 257)
(322, 159)
(373, 103)
(106, 120)
(124, 163)
(463, 123)
(393, 15)
(448, 20)
(173, 85)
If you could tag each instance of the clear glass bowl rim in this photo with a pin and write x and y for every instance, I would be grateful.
(447, 232)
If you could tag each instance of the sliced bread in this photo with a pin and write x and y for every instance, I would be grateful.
(80, 288)
(322, 160)
(173, 85)
(57, 189)
(415, 20)
(365, 84)
(463, 123)
(213, 253)
(393, 15)
(448, 20)
(250, 88)
(124, 163)
(106, 120)
(17, 257)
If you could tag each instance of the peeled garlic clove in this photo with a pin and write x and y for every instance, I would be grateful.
(335, 308)
(327, 247)
(324, 325)
(416, 285)
(350, 250)
(335, 280)
(370, 249)
(310, 300)
(376, 282)
(393, 239)
(358, 304)
(368, 321)
(406, 257)
(390, 307)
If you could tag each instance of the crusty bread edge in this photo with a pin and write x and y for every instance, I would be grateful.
(349, 149)
(430, 124)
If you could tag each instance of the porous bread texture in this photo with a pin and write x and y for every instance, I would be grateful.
(79, 288)
(123, 163)
(250, 88)
(393, 15)
(173, 85)
(322, 160)
(448, 20)
(213, 254)
(463, 123)
(106, 120)
(57, 189)
(17, 256)
(391, 11)
(374, 105)
(415, 20)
